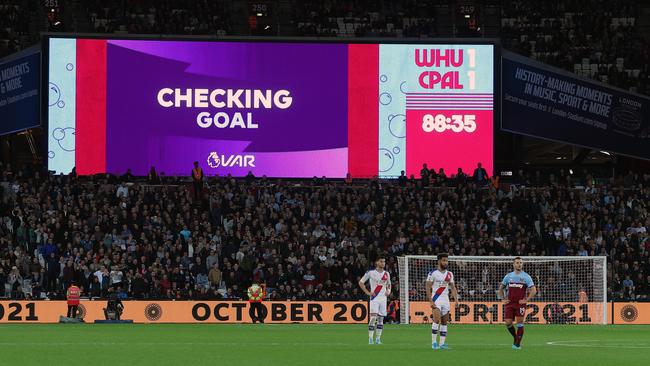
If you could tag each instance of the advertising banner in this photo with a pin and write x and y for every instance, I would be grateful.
(545, 102)
(317, 312)
(493, 312)
(19, 86)
(280, 109)
(631, 313)
(189, 311)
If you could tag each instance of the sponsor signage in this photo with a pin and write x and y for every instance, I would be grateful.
(190, 311)
(546, 102)
(631, 313)
(19, 91)
(318, 312)
(493, 312)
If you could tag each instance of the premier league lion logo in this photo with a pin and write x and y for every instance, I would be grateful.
(213, 160)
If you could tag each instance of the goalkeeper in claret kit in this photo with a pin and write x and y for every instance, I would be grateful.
(521, 290)
(380, 284)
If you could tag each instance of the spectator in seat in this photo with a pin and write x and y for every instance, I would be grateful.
(215, 275)
(628, 288)
(3, 281)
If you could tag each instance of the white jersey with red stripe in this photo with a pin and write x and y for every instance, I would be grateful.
(440, 284)
(378, 283)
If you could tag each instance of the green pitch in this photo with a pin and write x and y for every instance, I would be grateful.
(331, 345)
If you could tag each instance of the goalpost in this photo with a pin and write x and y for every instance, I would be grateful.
(570, 290)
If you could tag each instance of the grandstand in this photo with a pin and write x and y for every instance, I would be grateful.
(160, 241)
(302, 247)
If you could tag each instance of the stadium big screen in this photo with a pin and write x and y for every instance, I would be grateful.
(281, 108)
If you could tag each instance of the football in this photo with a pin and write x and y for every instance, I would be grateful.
(255, 292)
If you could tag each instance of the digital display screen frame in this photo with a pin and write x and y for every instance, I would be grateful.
(379, 143)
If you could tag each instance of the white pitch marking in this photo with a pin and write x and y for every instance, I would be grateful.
(581, 344)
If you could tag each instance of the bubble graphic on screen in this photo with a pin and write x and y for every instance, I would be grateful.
(60, 104)
(69, 67)
(65, 137)
(397, 125)
(50, 154)
(401, 87)
(383, 78)
(55, 94)
(58, 134)
(385, 98)
(386, 160)
(396, 150)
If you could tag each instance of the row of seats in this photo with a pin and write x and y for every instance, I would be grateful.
(13, 27)
(306, 240)
(159, 17)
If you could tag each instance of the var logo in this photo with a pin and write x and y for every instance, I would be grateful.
(216, 160)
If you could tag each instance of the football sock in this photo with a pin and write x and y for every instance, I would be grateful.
(434, 332)
(443, 334)
(520, 333)
(380, 326)
(371, 326)
(511, 329)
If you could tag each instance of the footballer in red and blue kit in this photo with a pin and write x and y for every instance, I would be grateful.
(520, 289)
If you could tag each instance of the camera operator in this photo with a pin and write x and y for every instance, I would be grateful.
(114, 306)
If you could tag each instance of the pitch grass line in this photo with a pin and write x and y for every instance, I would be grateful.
(397, 345)
(600, 344)
(261, 344)
(577, 344)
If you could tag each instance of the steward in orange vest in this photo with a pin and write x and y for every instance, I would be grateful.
(197, 180)
(73, 295)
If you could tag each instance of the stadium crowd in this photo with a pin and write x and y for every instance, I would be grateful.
(606, 45)
(304, 239)
(313, 240)
(160, 16)
(13, 26)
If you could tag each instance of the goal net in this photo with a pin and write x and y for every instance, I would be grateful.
(570, 290)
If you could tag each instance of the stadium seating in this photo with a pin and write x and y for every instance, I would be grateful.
(13, 29)
(159, 17)
(312, 240)
(307, 240)
(604, 45)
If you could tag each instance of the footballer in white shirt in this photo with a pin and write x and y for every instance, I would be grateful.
(379, 291)
(439, 282)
